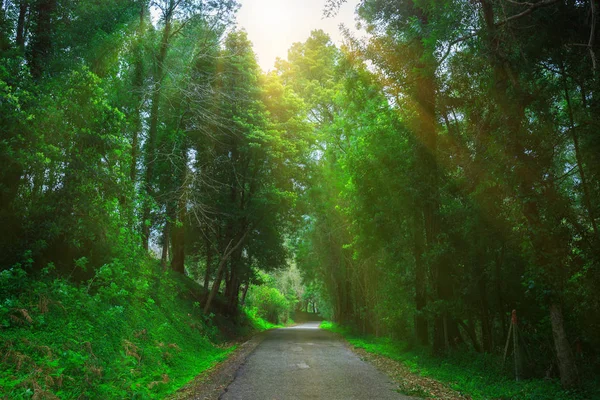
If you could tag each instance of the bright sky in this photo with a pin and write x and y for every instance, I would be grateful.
(274, 25)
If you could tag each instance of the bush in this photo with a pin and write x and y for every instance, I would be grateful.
(257, 323)
(270, 304)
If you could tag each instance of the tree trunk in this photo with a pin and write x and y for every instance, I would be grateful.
(584, 184)
(41, 46)
(480, 276)
(217, 283)
(470, 331)
(166, 239)
(138, 84)
(499, 290)
(234, 283)
(10, 182)
(566, 361)
(244, 293)
(178, 241)
(426, 134)
(20, 39)
(4, 29)
(209, 254)
(234, 291)
(153, 129)
(421, 325)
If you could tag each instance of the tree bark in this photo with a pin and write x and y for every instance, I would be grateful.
(499, 289)
(421, 324)
(166, 239)
(584, 184)
(480, 276)
(138, 84)
(427, 144)
(41, 46)
(566, 361)
(4, 30)
(209, 254)
(20, 39)
(472, 335)
(216, 284)
(221, 269)
(178, 236)
(233, 285)
(244, 293)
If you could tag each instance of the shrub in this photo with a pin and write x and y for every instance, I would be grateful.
(270, 303)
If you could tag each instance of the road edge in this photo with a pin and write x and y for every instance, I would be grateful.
(212, 383)
(409, 383)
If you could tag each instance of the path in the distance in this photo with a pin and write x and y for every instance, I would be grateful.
(305, 362)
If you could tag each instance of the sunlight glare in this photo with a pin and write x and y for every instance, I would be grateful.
(274, 25)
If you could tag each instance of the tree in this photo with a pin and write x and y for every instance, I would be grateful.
(175, 17)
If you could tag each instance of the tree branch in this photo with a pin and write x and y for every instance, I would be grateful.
(592, 34)
(532, 8)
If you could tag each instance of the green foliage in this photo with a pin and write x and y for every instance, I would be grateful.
(256, 321)
(119, 335)
(270, 303)
(276, 295)
(478, 376)
(449, 183)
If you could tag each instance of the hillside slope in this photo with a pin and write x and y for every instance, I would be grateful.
(118, 335)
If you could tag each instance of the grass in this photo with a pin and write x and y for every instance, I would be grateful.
(259, 324)
(476, 375)
(138, 335)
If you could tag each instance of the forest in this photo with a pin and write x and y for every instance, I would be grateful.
(435, 182)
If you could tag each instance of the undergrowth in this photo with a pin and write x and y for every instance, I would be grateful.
(479, 376)
(123, 334)
(258, 323)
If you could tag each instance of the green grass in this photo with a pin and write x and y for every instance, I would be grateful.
(138, 335)
(259, 324)
(476, 375)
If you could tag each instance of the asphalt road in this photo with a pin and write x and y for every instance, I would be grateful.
(305, 362)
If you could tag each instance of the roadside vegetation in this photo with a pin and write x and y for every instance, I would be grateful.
(468, 373)
(456, 198)
(111, 337)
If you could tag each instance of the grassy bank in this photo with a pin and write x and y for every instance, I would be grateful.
(476, 375)
(119, 335)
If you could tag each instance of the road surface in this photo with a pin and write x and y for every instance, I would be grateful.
(305, 362)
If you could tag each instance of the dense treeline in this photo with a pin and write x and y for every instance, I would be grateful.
(143, 124)
(458, 177)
